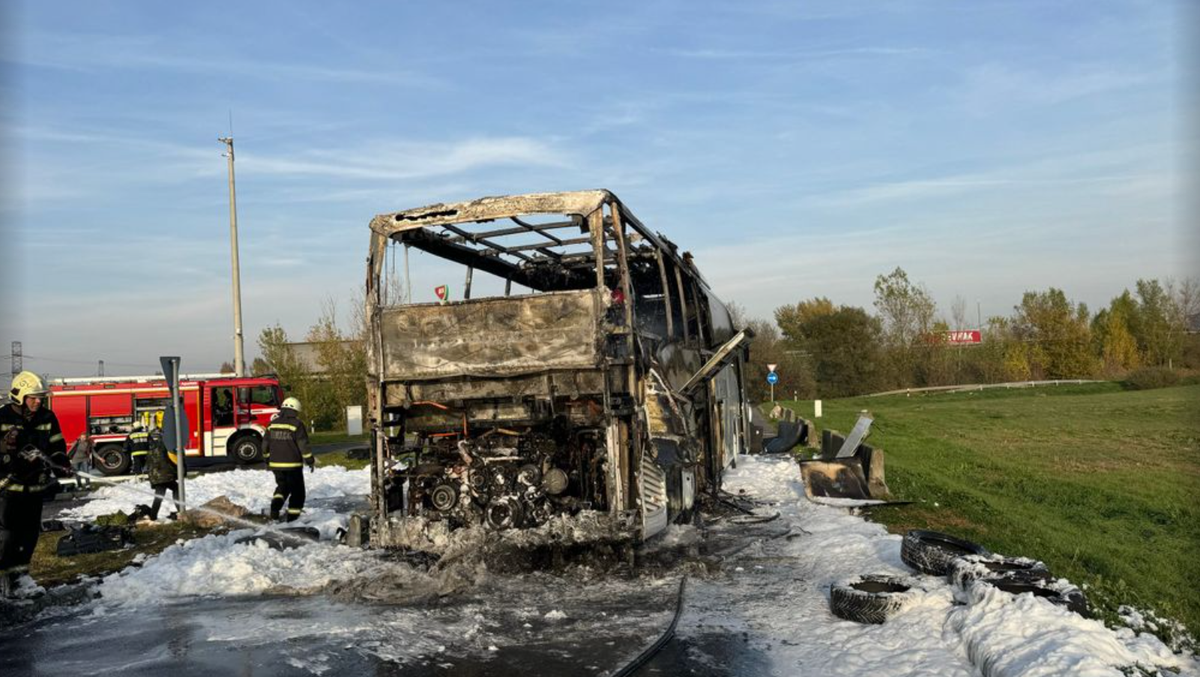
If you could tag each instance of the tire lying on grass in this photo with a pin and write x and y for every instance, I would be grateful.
(1065, 595)
(965, 570)
(871, 598)
(931, 552)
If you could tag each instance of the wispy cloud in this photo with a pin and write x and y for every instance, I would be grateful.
(799, 148)
(53, 177)
(410, 160)
(995, 88)
(89, 52)
(940, 187)
(798, 55)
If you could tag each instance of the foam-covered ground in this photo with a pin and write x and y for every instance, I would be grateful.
(779, 595)
(766, 612)
(251, 489)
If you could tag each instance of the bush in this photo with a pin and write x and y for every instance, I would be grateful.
(1148, 378)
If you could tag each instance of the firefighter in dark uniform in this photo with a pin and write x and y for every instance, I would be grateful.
(32, 453)
(162, 472)
(137, 446)
(287, 453)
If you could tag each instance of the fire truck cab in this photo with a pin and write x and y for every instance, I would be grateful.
(226, 415)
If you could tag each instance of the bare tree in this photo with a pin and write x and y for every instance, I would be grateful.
(958, 312)
(1186, 296)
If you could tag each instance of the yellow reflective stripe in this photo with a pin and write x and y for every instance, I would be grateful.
(294, 511)
(22, 488)
(56, 437)
(44, 426)
(139, 436)
(309, 455)
(139, 453)
(277, 496)
(282, 426)
(285, 465)
(7, 426)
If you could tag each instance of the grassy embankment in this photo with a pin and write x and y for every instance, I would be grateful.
(1099, 483)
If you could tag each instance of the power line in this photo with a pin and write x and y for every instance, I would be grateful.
(64, 360)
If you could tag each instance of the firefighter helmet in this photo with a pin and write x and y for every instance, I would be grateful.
(291, 403)
(25, 384)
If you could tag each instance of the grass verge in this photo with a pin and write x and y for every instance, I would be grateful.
(335, 437)
(340, 458)
(1097, 482)
(48, 569)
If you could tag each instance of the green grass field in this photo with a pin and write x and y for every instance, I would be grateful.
(335, 436)
(1099, 483)
(340, 458)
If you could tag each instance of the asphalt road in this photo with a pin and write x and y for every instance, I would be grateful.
(577, 622)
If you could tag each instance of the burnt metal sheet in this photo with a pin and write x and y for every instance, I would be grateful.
(861, 429)
(493, 337)
(573, 383)
(582, 202)
(843, 478)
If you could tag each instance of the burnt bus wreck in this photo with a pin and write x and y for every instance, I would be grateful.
(613, 386)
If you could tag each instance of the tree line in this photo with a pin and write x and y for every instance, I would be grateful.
(828, 350)
(338, 378)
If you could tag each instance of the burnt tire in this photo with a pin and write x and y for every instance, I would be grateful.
(1067, 596)
(965, 570)
(112, 460)
(931, 552)
(245, 449)
(872, 598)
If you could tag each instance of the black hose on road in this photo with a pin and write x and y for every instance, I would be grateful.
(633, 666)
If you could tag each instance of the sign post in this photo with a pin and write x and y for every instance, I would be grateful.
(170, 369)
(772, 378)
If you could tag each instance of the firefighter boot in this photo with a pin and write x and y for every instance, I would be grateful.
(276, 506)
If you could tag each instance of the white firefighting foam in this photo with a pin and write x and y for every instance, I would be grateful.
(772, 596)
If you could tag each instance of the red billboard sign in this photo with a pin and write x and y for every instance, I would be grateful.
(964, 336)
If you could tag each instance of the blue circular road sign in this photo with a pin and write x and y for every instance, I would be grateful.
(772, 378)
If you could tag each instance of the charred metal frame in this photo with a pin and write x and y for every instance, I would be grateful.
(547, 258)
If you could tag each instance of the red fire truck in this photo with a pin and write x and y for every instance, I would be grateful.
(226, 415)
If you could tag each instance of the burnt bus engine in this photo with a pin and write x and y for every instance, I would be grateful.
(501, 478)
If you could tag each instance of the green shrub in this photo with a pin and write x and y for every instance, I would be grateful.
(1148, 378)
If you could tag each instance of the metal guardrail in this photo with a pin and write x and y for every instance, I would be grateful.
(984, 386)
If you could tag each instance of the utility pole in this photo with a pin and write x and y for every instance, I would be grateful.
(239, 361)
(978, 316)
(17, 366)
(101, 369)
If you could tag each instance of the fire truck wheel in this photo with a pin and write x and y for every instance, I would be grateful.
(247, 449)
(112, 459)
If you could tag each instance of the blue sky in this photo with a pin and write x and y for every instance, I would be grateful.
(797, 148)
